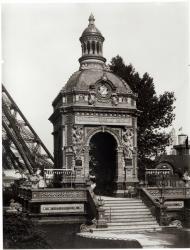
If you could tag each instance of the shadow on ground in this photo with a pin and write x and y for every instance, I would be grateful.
(65, 236)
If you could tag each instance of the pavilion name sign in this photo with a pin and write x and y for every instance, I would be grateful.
(62, 208)
(104, 120)
(174, 204)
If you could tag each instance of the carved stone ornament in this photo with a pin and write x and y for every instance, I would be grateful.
(77, 136)
(84, 66)
(107, 68)
(68, 149)
(92, 97)
(128, 136)
(114, 99)
(103, 91)
(88, 228)
(104, 77)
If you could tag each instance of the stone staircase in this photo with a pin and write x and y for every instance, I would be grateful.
(127, 214)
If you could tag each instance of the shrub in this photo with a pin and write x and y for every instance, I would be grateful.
(20, 232)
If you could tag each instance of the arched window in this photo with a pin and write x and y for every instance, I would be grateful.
(88, 47)
(84, 48)
(93, 47)
(98, 47)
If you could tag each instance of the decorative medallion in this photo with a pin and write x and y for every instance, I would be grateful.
(103, 91)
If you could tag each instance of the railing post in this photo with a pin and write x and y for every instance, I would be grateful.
(102, 222)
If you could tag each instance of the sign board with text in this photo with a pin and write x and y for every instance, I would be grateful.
(174, 204)
(62, 208)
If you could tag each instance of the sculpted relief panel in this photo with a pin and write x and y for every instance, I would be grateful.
(128, 136)
(78, 139)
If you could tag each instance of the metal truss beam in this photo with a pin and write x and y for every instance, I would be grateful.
(29, 149)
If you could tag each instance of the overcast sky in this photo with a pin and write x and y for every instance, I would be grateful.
(40, 50)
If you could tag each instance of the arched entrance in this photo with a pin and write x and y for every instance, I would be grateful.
(103, 160)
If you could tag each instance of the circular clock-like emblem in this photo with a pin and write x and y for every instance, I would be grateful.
(103, 90)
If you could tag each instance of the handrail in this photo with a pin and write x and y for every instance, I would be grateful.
(58, 171)
(155, 207)
(155, 203)
(169, 192)
(67, 175)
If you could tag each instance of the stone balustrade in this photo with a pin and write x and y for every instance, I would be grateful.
(170, 192)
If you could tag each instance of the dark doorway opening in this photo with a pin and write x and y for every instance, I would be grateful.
(103, 162)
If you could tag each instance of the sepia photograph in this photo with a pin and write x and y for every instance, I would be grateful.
(95, 124)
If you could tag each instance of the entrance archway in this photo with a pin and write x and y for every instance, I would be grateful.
(103, 160)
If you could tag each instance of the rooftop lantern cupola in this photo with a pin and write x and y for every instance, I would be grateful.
(92, 45)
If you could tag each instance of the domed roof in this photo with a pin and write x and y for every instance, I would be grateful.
(91, 29)
(82, 80)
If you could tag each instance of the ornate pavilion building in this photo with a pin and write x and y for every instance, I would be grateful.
(95, 121)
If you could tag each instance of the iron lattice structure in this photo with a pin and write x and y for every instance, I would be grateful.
(22, 148)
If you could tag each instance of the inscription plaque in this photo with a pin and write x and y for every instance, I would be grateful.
(174, 204)
(104, 120)
(62, 208)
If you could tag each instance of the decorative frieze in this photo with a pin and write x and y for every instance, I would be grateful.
(51, 195)
(104, 119)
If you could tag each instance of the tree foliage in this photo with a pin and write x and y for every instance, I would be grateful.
(20, 232)
(156, 112)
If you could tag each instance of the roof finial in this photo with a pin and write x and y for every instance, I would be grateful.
(91, 19)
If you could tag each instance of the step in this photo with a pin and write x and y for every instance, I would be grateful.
(127, 210)
(131, 230)
(122, 201)
(115, 220)
(123, 204)
(126, 215)
(130, 216)
(125, 207)
(116, 198)
(128, 228)
(132, 223)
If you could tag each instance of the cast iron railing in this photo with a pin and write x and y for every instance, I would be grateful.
(66, 175)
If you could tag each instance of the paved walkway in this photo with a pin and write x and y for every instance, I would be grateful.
(163, 239)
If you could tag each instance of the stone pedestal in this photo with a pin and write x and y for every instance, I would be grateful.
(102, 222)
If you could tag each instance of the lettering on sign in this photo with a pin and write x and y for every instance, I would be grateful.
(104, 120)
(62, 208)
(174, 204)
